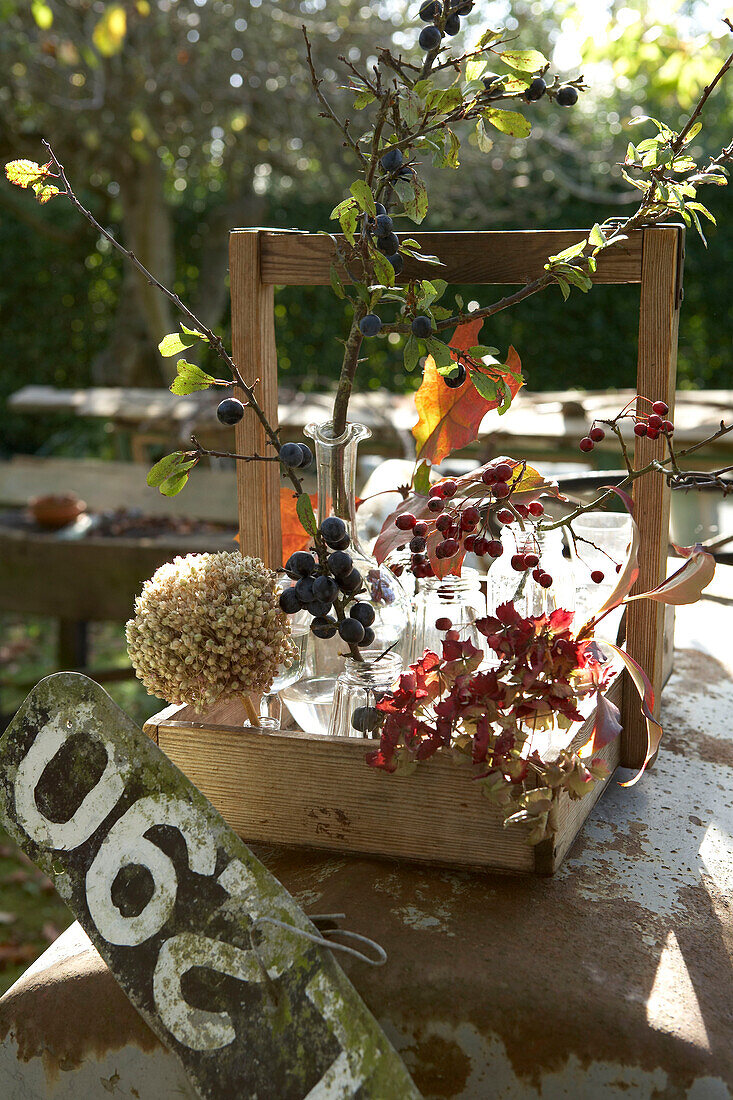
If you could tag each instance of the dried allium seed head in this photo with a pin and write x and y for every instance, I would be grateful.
(208, 626)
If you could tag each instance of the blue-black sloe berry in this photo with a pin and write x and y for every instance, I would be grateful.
(370, 325)
(230, 411)
(422, 327)
(429, 38)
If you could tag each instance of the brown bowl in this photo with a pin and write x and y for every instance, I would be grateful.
(56, 511)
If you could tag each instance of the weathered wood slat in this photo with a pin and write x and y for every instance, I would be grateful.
(317, 792)
(304, 259)
(656, 377)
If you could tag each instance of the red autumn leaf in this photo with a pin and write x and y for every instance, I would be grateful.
(686, 585)
(294, 537)
(450, 419)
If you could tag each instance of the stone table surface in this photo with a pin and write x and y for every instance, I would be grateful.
(611, 979)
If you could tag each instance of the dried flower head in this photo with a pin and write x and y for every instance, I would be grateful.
(206, 627)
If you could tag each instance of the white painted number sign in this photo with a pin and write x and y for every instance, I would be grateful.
(174, 903)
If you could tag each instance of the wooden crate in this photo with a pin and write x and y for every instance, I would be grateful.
(298, 788)
(312, 791)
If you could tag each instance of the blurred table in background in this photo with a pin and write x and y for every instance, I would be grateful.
(537, 425)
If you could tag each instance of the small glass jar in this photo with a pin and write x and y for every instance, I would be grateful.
(503, 583)
(459, 599)
(602, 543)
(359, 688)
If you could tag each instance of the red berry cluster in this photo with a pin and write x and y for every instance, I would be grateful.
(649, 425)
(462, 525)
(654, 422)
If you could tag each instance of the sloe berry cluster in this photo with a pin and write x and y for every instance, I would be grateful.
(436, 13)
(325, 582)
(297, 456)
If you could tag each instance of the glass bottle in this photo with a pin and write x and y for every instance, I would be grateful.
(309, 698)
(270, 715)
(503, 583)
(459, 599)
(359, 687)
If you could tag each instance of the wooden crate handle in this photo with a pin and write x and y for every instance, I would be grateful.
(653, 257)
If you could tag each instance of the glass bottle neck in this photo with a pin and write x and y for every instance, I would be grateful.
(336, 470)
(377, 674)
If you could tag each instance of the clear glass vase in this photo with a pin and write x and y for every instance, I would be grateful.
(503, 583)
(359, 688)
(309, 699)
(459, 599)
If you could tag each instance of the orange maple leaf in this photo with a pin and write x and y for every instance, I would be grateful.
(450, 418)
(294, 537)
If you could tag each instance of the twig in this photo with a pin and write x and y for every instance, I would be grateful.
(330, 113)
(204, 451)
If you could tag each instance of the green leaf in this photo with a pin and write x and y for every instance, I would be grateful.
(45, 191)
(526, 61)
(362, 192)
(194, 333)
(564, 286)
(363, 99)
(422, 87)
(42, 14)
(596, 238)
(190, 379)
(703, 210)
(509, 122)
(416, 206)
(304, 508)
(382, 267)
(169, 466)
(485, 143)
(425, 259)
(441, 354)
(480, 350)
(487, 38)
(454, 147)
(349, 221)
(175, 343)
(506, 399)
(338, 210)
(684, 164)
(411, 352)
(486, 386)
(692, 134)
(475, 67)
(336, 285)
(698, 226)
(440, 313)
(173, 485)
(421, 480)
(568, 253)
(24, 173)
(362, 292)
(444, 101)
